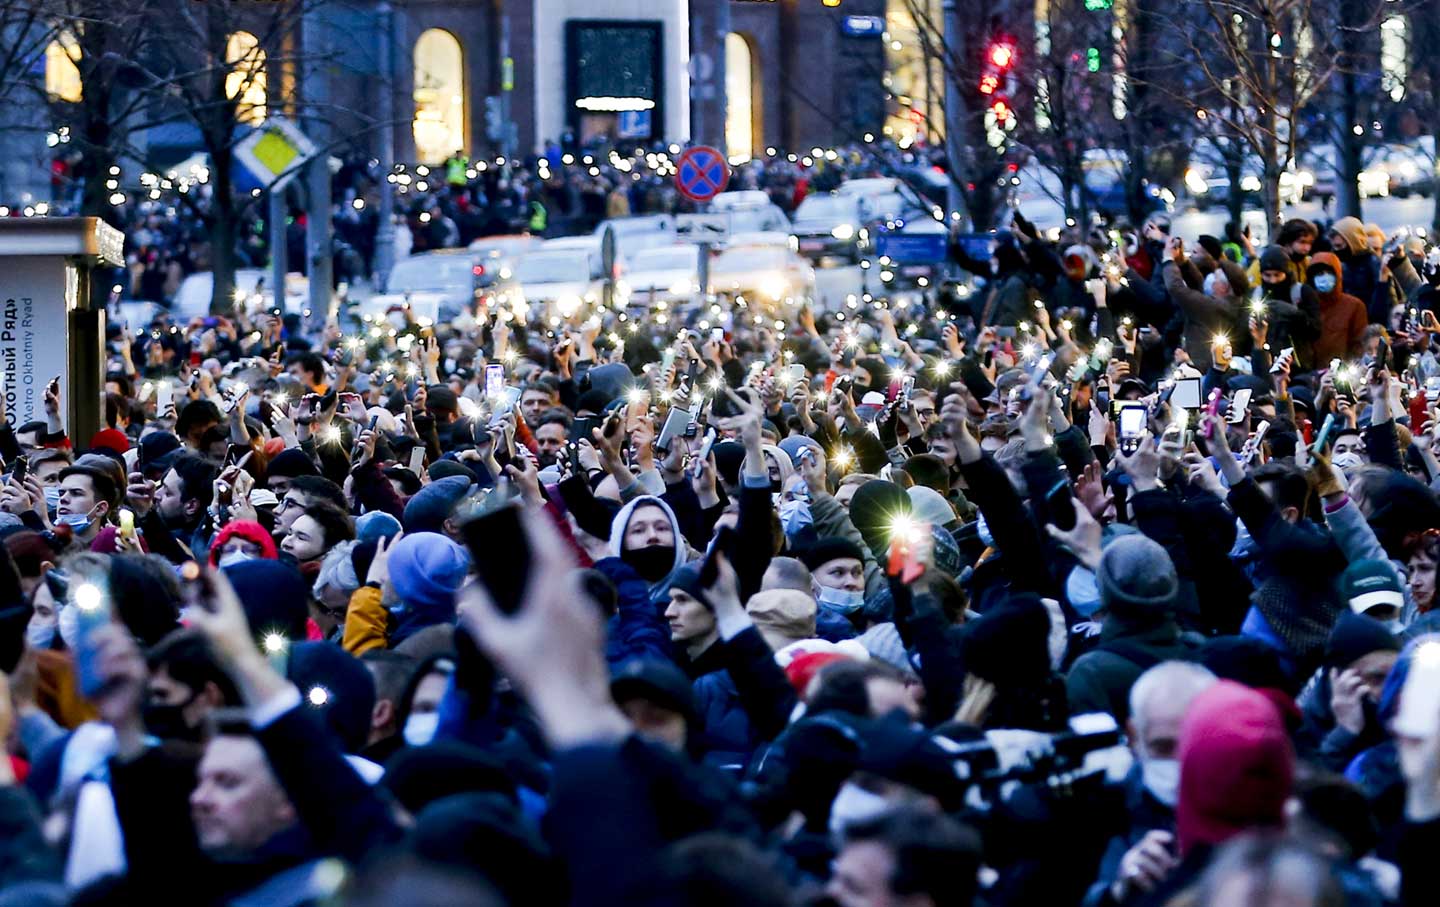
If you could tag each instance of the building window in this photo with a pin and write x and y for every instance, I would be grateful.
(915, 75)
(439, 124)
(1394, 56)
(740, 101)
(245, 82)
(62, 76)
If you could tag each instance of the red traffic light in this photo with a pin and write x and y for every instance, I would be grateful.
(988, 84)
(1002, 55)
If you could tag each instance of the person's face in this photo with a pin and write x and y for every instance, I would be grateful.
(842, 573)
(1273, 277)
(237, 545)
(648, 526)
(305, 541)
(48, 473)
(77, 496)
(550, 442)
(1373, 668)
(887, 694)
(1337, 242)
(1349, 444)
(689, 619)
(279, 485)
(657, 723)
(1156, 733)
(44, 603)
(924, 409)
(845, 493)
(862, 876)
(1302, 245)
(943, 448)
(291, 506)
(1422, 579)
(170, 497)
(162, 689)
(795, 490)
(237, 805)
(428, 693)
(330, 607)
(533, 403)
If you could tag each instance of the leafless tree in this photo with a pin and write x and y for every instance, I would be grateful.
(1253, 69)
(214, 69)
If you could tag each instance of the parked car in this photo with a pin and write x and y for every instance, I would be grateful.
(496, 255)
(832, 226)
(437, 286)
(666, 274)
(770, 275)
(563, 273)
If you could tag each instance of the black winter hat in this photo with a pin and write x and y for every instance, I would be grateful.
(830, 548)
(1355, 636)
(337, 686)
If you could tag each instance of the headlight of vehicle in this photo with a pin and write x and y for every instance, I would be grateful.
(844, 231)
(774, 286)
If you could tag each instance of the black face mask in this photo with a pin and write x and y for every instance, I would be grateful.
(168, 721)
(653, 562)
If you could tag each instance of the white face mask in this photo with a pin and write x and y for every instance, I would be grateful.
(854, 804)
(420, 728)
(1347, 461)
(69, 622)
(39, 634)
(1161, 778)
(234, 557)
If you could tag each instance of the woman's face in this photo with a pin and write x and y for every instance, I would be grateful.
(1422, 579)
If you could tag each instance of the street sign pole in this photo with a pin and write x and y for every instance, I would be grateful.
(385, 111)
(279, 264)
(507, 86)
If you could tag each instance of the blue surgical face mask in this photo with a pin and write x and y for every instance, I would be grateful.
(842, 600)
(39, 635)
(68, 620)
(1324, 282)
(795, 516)
(79, 522)
(52, 496)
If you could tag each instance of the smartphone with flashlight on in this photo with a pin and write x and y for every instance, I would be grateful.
(1132, 426)
(498, 545)
(90, 598)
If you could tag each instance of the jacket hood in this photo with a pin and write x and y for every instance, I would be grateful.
(1354, 234)
(622, 521)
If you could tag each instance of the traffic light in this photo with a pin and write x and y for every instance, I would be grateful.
(1001, 55)
(1001, 110)
(830, 3)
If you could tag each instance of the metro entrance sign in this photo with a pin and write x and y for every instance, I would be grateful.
(701, 173)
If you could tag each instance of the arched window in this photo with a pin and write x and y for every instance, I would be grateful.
(246, 79)
(62, 76)
(740, 100)
(439, 124)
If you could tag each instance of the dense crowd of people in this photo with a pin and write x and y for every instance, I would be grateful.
(1110, 583)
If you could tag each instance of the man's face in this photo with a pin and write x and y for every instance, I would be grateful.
(1157, 731)
(924, 409)
(1337, 242)
(290, 509)
(48, 473)
(1349, 452)
(1302, 245)
(1273, 277)
(862, 876)
(533, 402)
(550, 442)
(648, 526)
(656, 723)
(841, 573)
(1373, 668)
(845, 493)
(237, 805)
(689, 619)
(305, 541)
(279, 485)
(163, 689)
(77, 496)
(170, 498)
